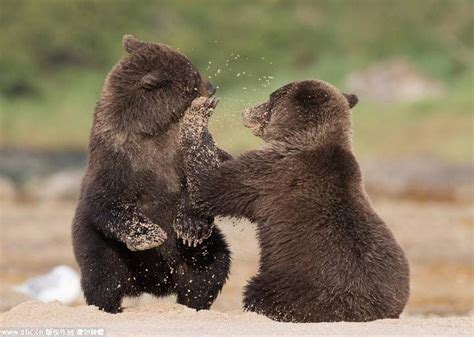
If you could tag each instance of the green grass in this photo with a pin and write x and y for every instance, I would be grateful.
(55, 55)
(61, 118)
(441, 128)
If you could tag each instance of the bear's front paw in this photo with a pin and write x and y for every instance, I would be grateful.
(194, 125)
(204, 106)
(152, 238)
(193, 230)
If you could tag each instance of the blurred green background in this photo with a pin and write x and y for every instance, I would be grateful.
(55, 55)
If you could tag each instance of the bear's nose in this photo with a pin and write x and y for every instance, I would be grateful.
(212, 89)
(206, 88)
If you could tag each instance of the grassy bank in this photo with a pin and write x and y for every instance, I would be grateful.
(55, 55)
(61, 118)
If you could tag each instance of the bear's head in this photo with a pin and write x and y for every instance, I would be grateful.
(151, 87)
(298, 107)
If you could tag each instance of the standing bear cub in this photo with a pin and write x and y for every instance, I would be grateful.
(325, 254)
(123, 230)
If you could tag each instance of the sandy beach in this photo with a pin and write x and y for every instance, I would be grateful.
(165, 319)
(441, 300)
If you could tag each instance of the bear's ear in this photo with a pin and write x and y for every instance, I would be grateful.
(310, 97)
(351, 99)
(153, 81)
(130, 43)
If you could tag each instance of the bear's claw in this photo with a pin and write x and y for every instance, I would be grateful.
(193, 230)
(204, 105)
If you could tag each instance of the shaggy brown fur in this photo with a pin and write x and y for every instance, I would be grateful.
(123, 234)
(325, 254)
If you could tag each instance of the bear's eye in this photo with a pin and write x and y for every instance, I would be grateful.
(151, 81)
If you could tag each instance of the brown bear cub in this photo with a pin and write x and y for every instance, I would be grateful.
(123, 231)
(325, 254)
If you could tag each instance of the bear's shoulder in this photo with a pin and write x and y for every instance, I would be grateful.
(330, 160)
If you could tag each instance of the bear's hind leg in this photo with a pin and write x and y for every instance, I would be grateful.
(261, 296)
(202, 274)
(106, 300)
(105, 275)
(253, 296)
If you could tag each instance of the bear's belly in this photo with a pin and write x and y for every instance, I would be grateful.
(159, 202)
(160, 163)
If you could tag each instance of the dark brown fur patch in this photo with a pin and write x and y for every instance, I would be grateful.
(309, 97)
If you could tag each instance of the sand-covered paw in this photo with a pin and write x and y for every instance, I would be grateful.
(204, 106)
(193, 230)
(152, 238)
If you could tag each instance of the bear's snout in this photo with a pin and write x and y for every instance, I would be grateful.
(206, 89)
(248, 116)
(254, 119)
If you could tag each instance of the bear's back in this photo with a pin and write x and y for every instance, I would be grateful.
(316, 212)
(319, 236)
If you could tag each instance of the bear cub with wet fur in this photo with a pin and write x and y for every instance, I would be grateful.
(123, 231)
(325, 254)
